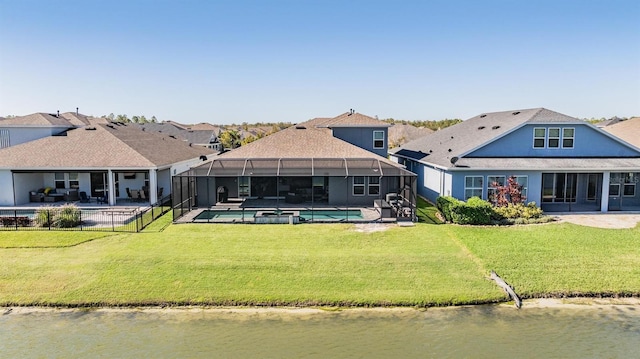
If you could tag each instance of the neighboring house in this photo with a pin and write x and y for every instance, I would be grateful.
(203, 138)
(563, 164)
(334, 161)
(627, 130)
(97, 158)
(21, 129)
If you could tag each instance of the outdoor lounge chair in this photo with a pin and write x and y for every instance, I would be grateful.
(135, 195)
(84, 198)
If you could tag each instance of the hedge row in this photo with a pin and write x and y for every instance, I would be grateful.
(479, 212)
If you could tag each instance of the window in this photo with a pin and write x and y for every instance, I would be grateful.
(244, 186)
(539, 136)
(5, 141)
(472, 186)
(73, 180)
(524, 182)
(59, 180)
(493, 182)
(374, 186)
(358, 186)
(614, 190)
(378, 139)
(553, 141)
(629, 186)
(567, 137)
(559, 187)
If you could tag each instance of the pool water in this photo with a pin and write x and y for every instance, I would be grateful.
(331, 215)
(319, 215)
(230, 214)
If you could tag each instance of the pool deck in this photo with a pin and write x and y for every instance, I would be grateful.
(369, 214)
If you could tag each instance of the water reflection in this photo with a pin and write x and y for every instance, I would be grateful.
(483, 331)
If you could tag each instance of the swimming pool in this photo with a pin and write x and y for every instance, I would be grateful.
(332, 215)
(225, 214)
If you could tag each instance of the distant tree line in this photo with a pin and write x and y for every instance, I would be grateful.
(234, 136)
(433, 125)
(133, 119)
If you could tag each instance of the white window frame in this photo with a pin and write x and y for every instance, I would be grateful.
(57, 180)
(557, 138)
(615, 193)
(628, 182)
(375, 184)
(358, 185)
(572, 138)
(74, 177)
(543, 138)
(474, 187)
(524, 186)
(5, 139)
(378, 139)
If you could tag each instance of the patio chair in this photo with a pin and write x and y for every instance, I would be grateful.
(104, 199)
(143, 197)
(128, 194)
(84, 198)
(160, 192)
(135, 195)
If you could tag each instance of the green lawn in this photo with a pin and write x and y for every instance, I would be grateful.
(314, 264)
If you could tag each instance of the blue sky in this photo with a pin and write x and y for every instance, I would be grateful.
(237, 61)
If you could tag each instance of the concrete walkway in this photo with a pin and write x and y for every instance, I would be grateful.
(601, 220)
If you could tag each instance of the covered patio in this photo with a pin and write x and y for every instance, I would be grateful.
(377, 189)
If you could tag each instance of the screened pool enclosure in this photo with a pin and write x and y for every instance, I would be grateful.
(310, 184)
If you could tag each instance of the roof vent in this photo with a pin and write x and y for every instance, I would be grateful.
(430, 151)
(453, 160)
(90, 128)
(172, 136)
(481, 128)
(300, 127)
(203, 158)
(495, 127)
(483, 116)
(515, 113)
(110, 125)
(449, 150)
(452, 137)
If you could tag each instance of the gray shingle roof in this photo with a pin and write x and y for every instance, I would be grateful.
(354, 119)
(100, 146)
(196, 137)
(439, 147)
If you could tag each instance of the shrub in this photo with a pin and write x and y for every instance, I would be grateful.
(474, 211)
(66, 216)
(44, 216)
(513, 211)
(444, 204)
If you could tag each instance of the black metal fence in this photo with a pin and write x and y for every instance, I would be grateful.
(72, 218)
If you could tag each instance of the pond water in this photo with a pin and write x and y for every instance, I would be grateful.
(477, 332)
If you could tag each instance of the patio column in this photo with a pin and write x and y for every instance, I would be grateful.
(112, 188)
(604, 203)
(153, 186)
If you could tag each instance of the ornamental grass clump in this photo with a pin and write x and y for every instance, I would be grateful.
(66, 216)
